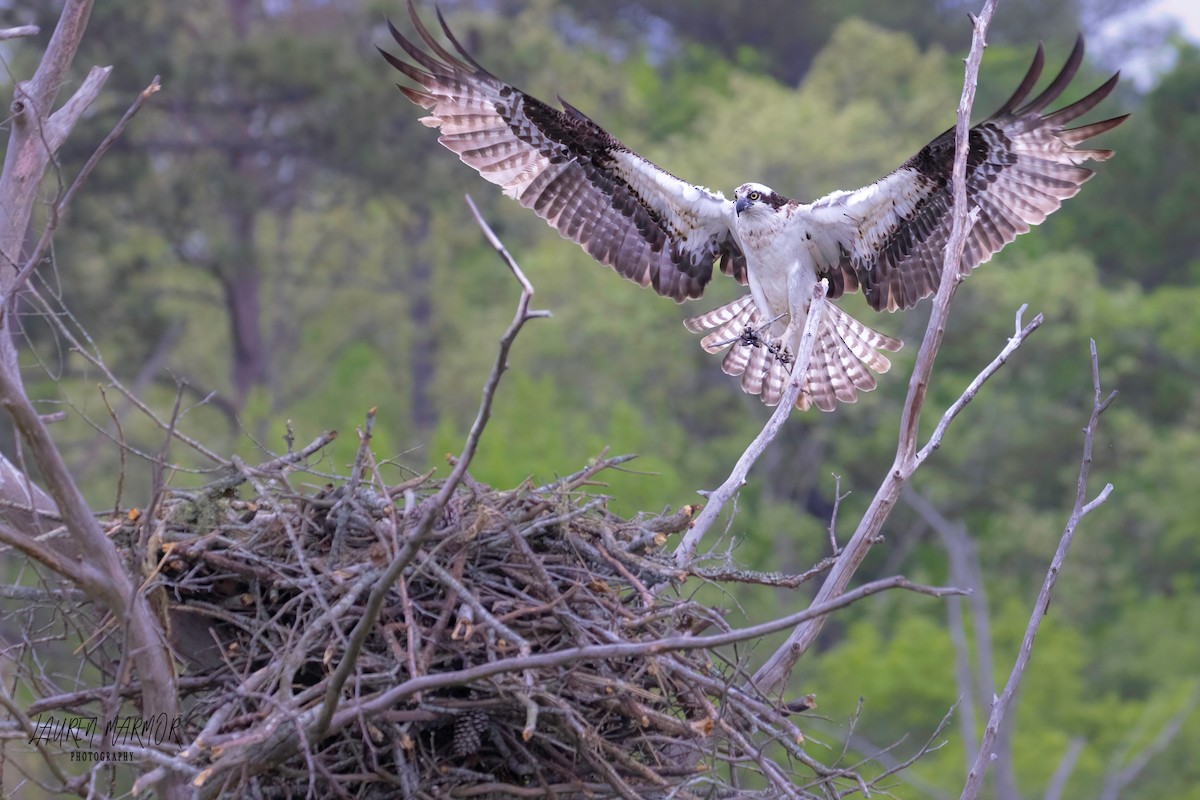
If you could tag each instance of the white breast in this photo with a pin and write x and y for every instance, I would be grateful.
(776, 252)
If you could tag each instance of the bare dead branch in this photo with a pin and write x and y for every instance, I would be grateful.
(59, 207)
(19, 32)
(1082, 507)
(838, 497)
(36, 134)
(29, 153)
(773, 579)
(1117, 780)
(28, 728)
(631, 650)
(776, 669)
(1019, 336)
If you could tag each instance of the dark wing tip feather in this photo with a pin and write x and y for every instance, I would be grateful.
(1082, 106)
(516, 142)
(1081, 134)
(1059, 83)
(431, 41)
(466, 56)
(414, 52)
(403, 66)
(1027, 83)
(900, 262)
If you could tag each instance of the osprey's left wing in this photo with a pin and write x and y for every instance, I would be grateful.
(1021, 165)
(627, 213)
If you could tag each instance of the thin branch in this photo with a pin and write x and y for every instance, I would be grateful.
(35, 136)
(60, 206)
(431, 508)
(29, 729)
(79, 572)
(974, 781)
(19, 32)
(427, 683)
(737, 478)
(1018, 338)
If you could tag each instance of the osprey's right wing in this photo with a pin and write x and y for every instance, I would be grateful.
(627, 213)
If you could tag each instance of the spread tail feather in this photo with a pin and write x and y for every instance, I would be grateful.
(845, 355)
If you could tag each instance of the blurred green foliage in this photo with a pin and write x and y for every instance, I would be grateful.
(280, 181)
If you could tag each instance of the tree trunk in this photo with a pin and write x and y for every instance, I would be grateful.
(242, 285)
(423, 342)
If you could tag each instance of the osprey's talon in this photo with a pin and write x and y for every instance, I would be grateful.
(750, 338)
(778, 349)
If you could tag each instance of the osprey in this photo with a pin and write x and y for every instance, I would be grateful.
(657, 230)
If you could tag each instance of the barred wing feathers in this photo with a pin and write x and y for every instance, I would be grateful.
(627, 213)
(1021, 165)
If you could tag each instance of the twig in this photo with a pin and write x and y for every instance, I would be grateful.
(58, 209)
(432, 508)
(242, 472)
(348, 501)
(36, 594)
(774, 579)
(926, 748)
(28, 728)
(838, 497)
(1082, 507)
(19, 31)
(1020, 334)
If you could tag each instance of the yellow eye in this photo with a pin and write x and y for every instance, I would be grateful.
(754, 196)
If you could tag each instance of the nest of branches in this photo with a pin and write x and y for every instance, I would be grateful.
(526, 648)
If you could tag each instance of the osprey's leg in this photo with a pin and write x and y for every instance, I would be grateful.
(779, 347)
(798, 293)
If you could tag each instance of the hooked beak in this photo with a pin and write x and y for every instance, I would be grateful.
(742, 204)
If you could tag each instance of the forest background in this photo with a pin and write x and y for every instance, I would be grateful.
(278, 231)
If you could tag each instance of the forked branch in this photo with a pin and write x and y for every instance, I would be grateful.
(776, 669)
(1082, 508)
(432, 508)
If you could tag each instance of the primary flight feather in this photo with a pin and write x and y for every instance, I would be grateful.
(657, 230)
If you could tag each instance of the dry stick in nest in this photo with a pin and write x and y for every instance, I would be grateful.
(432, 507)
(442, 680)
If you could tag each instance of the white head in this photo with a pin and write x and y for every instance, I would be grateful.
(755, 198)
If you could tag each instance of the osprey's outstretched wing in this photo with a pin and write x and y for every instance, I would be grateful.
(1020, 167)
(627, 213)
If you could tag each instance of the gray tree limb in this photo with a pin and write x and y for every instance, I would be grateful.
(774, 672)
(1081, 509)
(37, 131)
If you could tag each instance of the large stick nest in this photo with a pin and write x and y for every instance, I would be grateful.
(264, 593)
